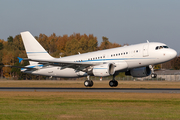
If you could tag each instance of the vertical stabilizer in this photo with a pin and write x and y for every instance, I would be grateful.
(33, 49)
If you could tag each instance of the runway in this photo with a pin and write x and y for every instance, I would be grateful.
(123, 90)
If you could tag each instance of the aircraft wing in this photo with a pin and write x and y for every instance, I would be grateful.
(62, 64)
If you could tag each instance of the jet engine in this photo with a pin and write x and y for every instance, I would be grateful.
(103, 70)
(139, 72)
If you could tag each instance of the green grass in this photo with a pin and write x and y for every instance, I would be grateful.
(80, 84)
(89, 106)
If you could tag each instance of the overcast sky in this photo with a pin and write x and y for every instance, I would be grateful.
(122, 21)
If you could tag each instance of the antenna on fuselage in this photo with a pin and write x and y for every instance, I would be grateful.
(79, 53)
(147, 41)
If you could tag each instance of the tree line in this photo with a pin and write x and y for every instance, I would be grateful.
(56, 46)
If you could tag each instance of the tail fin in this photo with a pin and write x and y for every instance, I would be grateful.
(33, 49)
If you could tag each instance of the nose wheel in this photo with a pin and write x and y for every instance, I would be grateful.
(153, 75)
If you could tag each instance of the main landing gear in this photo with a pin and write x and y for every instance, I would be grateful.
(113, 82)
(88, 83)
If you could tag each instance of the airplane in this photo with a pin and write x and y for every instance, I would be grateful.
(135, 60)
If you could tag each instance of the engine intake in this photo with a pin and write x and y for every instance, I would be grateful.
(139, 72)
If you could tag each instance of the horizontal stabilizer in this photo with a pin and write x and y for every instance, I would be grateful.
(20, 59)
(19, 67)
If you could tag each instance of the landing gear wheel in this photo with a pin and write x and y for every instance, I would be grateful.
(88, 83)
(153, 75)
(91, 83)
(113, 83)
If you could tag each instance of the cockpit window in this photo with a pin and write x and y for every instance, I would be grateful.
(161, 47)
(165, 47)
(157, 48)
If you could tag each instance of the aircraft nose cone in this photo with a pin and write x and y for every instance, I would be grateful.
(173, 53)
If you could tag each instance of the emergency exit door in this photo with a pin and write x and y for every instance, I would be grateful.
(145, 50)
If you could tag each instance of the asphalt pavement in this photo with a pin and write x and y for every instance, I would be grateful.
(123, 90)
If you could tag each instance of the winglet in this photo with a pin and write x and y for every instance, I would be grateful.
(20, 59)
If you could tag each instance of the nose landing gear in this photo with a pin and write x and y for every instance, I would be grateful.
(153, 75)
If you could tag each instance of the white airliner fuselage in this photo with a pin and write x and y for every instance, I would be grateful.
(134, 58)
(124, 58)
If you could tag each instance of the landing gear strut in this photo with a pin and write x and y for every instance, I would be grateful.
(153, 75)
(113, 82)
(88, 83)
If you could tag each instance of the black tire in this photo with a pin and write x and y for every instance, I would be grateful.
(91, 83)
(153, 75)
(86, 83)
(113, 83)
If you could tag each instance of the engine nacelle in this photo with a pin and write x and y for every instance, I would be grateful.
(103, 70)
(139, 72)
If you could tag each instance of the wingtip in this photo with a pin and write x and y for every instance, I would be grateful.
(20, 59)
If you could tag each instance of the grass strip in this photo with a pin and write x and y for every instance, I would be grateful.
(82, 105)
